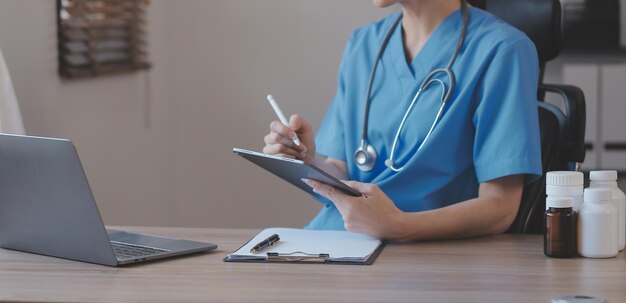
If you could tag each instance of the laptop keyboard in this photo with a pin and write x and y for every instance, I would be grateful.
(129, 251)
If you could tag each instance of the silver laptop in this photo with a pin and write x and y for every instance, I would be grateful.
(47, 207)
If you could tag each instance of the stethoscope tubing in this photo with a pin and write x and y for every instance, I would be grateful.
(366, 152)
(390, 162)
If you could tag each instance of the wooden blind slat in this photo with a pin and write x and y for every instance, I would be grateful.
(101, 37)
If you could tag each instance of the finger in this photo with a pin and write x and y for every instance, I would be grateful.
(343, 202)
(285, 156)
(298, 124)
(321, 188)
(279, 149)
(289, 142)
(295, 122)
(275, 138)
(282, 129)
(275, 149)
(364, 188)
(329, 192)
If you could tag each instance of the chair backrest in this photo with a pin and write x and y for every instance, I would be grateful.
(562, 147)
(539, 19)
(562, 128)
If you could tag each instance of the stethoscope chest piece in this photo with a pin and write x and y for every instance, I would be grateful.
(365, 157)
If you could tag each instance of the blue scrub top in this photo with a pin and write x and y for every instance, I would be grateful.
(489, 128)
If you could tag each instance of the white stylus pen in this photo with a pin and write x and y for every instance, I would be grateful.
(282, 117)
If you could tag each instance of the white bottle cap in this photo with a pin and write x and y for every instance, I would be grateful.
(564, 178)
(564, 183)
(603, 175)
(598, 195)
(559, 202)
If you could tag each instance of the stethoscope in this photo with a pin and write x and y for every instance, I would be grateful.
(365, 156)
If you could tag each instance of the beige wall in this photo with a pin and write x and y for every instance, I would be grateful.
(125, 140)
(156, 145)
(228, 55)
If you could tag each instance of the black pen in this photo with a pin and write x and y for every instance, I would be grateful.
(265, 243)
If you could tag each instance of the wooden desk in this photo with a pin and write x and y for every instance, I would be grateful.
(505, 268)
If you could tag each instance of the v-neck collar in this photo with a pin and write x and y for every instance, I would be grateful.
(435, 50)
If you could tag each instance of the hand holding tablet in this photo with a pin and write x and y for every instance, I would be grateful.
(293, 171)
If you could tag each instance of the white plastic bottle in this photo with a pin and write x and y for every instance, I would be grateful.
(568, 184)
(608, 179)
(596, 225)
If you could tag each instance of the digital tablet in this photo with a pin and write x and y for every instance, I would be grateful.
(293, 171)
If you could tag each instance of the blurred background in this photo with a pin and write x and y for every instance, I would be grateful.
(156, 143)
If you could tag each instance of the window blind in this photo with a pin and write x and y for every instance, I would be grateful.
(98, 37)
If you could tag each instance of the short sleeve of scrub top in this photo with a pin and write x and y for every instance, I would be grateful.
(502, 122)
(488, 130)
(331, 132)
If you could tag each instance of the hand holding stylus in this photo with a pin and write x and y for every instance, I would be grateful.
(292, 139)
(282, 118)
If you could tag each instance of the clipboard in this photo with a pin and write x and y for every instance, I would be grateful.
(293, 171)
(311, 247)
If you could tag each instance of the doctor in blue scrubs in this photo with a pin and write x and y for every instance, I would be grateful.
(444, 154)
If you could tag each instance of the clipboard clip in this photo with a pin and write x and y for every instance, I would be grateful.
(297, 256)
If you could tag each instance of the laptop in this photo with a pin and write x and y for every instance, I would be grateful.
(47, 208)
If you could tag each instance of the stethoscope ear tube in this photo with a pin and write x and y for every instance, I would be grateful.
(444, 93)
(368, 92)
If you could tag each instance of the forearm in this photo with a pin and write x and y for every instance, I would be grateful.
(492, 212)
(475, 217)
(376, 215)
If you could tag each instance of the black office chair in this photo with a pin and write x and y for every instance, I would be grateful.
(562, 128)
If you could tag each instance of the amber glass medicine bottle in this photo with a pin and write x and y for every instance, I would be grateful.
(559, 239)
